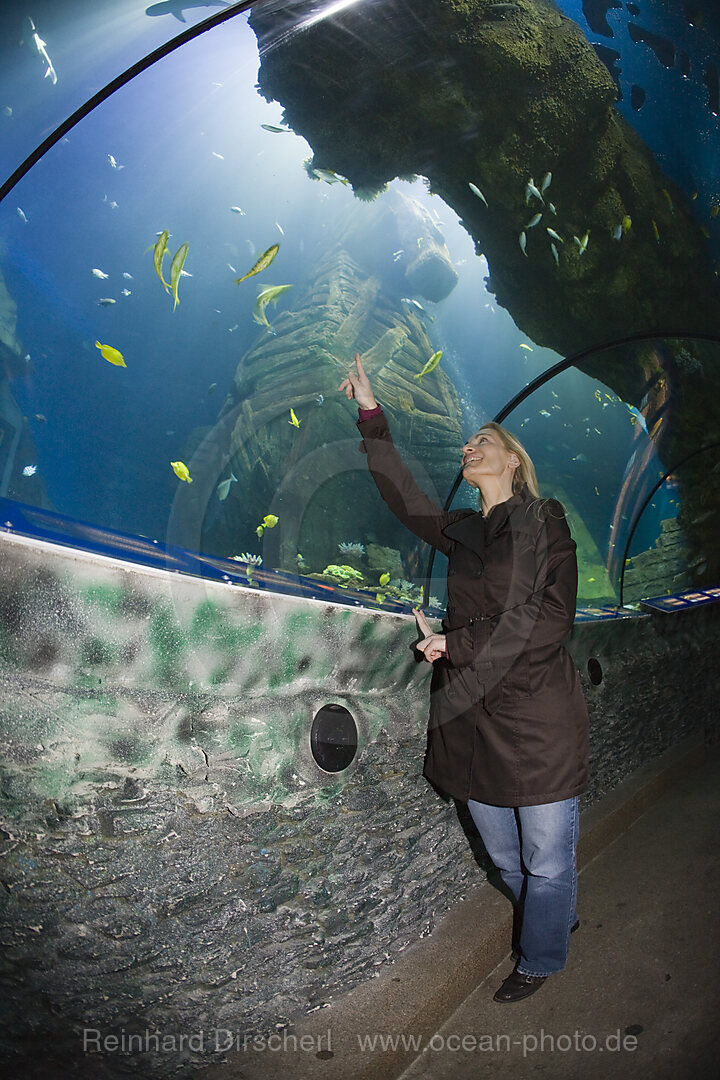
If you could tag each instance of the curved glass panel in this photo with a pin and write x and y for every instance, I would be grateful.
(673, 548)
(315, 180)
(55, 56)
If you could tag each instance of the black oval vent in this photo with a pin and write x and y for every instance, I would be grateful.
(595, 672)
(333, 738)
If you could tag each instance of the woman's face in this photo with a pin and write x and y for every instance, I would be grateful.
(484, 456)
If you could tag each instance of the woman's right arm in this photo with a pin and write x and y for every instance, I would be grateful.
(396, 484)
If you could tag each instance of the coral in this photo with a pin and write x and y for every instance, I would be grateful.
(358, 550)
(251, 560)
(344, 575)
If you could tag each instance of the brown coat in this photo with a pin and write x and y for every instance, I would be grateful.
(508, 721)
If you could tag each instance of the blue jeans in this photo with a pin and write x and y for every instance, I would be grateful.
(534, 848)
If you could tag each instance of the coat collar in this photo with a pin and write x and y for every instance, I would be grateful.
(473, 530)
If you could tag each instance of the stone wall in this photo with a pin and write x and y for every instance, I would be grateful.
(173, 859)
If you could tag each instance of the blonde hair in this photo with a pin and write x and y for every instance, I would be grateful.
(525, 473)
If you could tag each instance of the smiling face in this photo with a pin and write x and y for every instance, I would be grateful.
(486, 459)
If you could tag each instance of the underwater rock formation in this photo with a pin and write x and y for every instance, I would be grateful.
(312, 477)
(445, 89)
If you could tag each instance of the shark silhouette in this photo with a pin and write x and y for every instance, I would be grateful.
(177, 7)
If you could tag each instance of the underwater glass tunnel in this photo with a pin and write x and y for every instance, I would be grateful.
(208, 209)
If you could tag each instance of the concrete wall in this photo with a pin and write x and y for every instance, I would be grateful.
(173, 858)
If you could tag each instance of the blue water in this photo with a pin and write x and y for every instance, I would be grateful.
(188, 136)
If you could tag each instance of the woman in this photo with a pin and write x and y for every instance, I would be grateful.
(508, 731)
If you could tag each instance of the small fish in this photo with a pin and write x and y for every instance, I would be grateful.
(330, 177)
(238, 210)
(21, 214)
(114, 163)
(656, 233)
(231, 268)
(270, 521)
(581, 458)
(181, 471)
(7, 110)
(530, 189)
(279, 228)
(126, 292)
(397, 254)
(293, 419)
(41, 417)
(582, 244)
(551, 208)
(264, 261)
(555, 255)
(211, 388)
(546, 181)
(269, 295)
(129, 277)
(29, 470)
(106, 301)
(415, 303)
(533, 221)
(99, 274)
(224, 487)
(430, 365)
(220, 157)
(476, 191)
(667, 195)
(523, 244)
(524, 346)
(273, 128)
(544, 412)
(176, 269)
(714, 210)
(113, 356)
(159, 252)
(320, 398)
(384, 578)
(259, 531)
(554, 235)
(626, 223)
(617, 232)
(598, 395)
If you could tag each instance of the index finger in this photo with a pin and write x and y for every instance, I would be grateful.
(359, 366)
(422, 622)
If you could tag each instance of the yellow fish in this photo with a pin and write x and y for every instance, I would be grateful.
(270, 521)
(431, 364)
(270, 295)
(293, 419)
(176, 269)
(384, 578)
(598, 395)
(626, 223)
(181, 471)
(259, 532)
(113, 356)
(159, 252)
(265, 259)
(524, 346)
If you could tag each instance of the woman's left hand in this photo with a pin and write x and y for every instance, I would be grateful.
(432, 645)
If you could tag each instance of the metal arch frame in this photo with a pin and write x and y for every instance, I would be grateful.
(638, 516)
(115, 84)
(546, 376)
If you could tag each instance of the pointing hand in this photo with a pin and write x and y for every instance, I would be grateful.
(357, 385)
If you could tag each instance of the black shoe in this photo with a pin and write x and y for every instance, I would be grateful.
(515, 954)
(518, 986)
